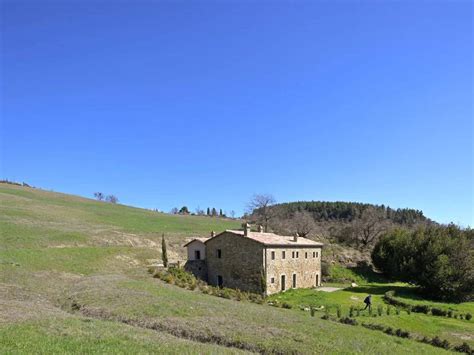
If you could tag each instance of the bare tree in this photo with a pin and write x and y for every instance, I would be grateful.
(302, 223)
(259, 206)
(199, 211)
(174, 210)
(232, 214)
(112, 199)
(369, 227)
(99, 196)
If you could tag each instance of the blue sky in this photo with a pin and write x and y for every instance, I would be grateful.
(205, 103)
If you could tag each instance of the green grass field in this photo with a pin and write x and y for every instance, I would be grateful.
(74, 280)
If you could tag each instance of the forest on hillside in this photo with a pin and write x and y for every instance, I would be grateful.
(355, 224)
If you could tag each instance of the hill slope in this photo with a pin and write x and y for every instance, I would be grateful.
(74, 279)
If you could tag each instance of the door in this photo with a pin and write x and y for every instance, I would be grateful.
(220, 281)
(283, 285)
(317, 280)
(197, 254)
(294, 280)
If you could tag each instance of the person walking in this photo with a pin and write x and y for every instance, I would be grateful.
(368, 302)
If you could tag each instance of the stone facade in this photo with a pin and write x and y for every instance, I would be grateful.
(254, 261)
(239, 263)
(301, 265)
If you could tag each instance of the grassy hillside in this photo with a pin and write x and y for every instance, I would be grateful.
(74, 279)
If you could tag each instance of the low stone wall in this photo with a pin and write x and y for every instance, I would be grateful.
(198, 268)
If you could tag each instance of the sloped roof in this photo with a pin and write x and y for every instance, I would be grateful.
(271, 239)
(202, 240)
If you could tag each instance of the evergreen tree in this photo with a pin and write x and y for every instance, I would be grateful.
(164, 253)
(208, 211)
(220, 212)
(214, 212)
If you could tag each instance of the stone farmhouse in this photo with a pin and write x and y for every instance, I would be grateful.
(255, 261)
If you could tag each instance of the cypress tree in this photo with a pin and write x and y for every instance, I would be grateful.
(164, 253)
(208, 211)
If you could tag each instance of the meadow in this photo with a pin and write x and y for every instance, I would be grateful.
(74, 279)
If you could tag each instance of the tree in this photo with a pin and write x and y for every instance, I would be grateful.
(208, 211)
(111, 199)
(99, 196)
(259, 206)
(232, 214)
(184, 210)
(368, 227)
(214, 212)
(164, 253)
(220, 212)
(439, 259)
(174, 210)
(302, 223)
(199, 211)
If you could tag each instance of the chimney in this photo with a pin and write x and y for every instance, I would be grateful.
(246, 227)
(213, 234)
(295, 237)
(260, 229)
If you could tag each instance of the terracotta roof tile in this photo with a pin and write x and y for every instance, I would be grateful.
(275, 239)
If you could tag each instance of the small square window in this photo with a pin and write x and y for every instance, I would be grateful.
(297, 254)
(314, 254)
(219, 253)
(273, 255)
(317, 254)
(272, 280)
(283, 255)
(306, 255)
(293, 254)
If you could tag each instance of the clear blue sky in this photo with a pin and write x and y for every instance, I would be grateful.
(205, 103)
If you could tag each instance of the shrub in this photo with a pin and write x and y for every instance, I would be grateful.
(468, 316)
(312, 310)
(358, 312)
(388, 310)
(409, 310)
(464, 348)
(450, 314)
(287, 305)
(325, 317)
(436, 341)
(402, 334)
(421, 308)
(373, 326)
(388, 331)
(438, 312)
(338, 311)
(379, 310)
(347, 320)
(397, 311)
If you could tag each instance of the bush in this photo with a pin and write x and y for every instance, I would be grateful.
(409, 310)
(287, 305)
(312, 310)
(388, 331)
(397, 311)
(402, 334)
(450, 314)
(439, 312)
(347, 320)
(358, 312)
(351, 312)
(388, 310)
(373, 326)
(468, 316)
(338, 312)
(464, 348)
(421, 308)
(436, 341)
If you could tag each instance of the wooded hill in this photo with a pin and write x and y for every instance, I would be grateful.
(350, 211)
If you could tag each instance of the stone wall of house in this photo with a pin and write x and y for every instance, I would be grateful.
(197, 267)
(196, 245)
(304, 262)
(240, 264)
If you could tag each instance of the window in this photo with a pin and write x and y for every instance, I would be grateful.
(314, 254)
(283, 282)
(297, 254)
(197, 254)
(317, 254)
(283, 255)
(273, 255)
(219, 253)
(306, 255)
(317, 280)
(272, 280)
(294, 280)
(293, 254)
(220, 281)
